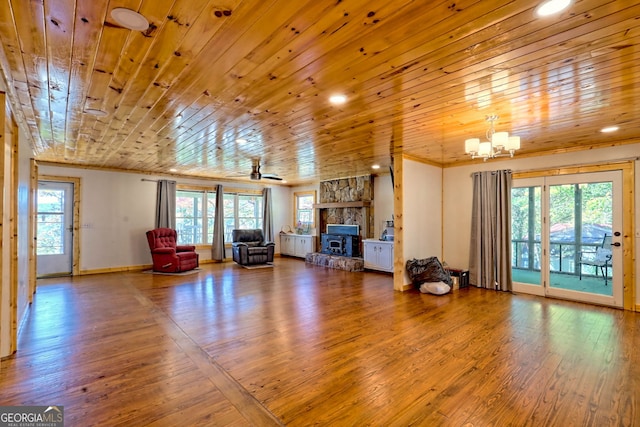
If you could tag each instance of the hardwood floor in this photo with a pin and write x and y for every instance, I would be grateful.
(302, 345)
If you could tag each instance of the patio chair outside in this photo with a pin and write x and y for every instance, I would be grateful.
(600, 258)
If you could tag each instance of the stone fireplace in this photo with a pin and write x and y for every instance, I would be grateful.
(344, 201)
(347, 201)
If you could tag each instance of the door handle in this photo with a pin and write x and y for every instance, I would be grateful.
(616, 244)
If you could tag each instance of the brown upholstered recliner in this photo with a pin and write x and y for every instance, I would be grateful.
(167, 256)
(249, 247)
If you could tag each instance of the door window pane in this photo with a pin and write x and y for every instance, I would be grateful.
(50, 222)
(526, 232)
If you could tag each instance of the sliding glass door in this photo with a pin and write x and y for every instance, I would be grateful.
(566, 237)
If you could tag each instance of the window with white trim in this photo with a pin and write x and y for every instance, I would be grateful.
(303, 210)
(195, 211)
(241, 211)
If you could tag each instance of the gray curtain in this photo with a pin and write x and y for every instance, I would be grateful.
(490, 254)
(217, 244)
(166, 204)
(267, 218)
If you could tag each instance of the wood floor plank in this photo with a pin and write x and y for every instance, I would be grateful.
(301, 345)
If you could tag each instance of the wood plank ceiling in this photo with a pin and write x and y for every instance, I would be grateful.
(419, 76)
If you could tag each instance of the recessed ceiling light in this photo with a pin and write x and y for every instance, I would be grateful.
(609, 129)
(95, 112)
(129, 19)
(173, 170)
(337, 99)
(375, 167)
(550, 7)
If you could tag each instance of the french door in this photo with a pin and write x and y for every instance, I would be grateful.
(566, 237)
(54, 228)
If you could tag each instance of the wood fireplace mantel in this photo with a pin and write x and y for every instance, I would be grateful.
(358, 204)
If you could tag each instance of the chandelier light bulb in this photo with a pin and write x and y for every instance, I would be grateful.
(485, 149)
(471, 145)
(513, 143)
(500, 139)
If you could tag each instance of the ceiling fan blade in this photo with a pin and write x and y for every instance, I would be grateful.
(273, 177)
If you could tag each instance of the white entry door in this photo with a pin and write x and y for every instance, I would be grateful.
(55, 228)
(566, 237)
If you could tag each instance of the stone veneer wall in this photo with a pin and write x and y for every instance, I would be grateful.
(354, 189)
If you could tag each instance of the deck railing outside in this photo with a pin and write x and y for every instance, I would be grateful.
(564, 257)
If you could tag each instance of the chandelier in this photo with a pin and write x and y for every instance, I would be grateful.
(498, 144)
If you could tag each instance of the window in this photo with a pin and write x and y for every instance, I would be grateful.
(242, 211)
(303, 217)
(189, 214)
(195, 211)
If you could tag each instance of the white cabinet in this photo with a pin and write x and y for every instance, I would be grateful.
(296, 244)
(378, 255)
(303, 245)
(287, 244)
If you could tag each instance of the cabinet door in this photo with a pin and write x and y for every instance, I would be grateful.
(286, 245)
(370, 255)
(303, 246)
(385, 257)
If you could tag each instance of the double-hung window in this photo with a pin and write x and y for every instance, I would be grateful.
(241, 211)
(195, 212)
(303, 210)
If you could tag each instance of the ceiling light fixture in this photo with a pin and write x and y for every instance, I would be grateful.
(375, 166)
(609, 129)
(130, 19)
(498, 144)
(337, 99)
(241, 141)
(551, 7)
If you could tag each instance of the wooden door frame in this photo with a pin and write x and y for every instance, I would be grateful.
(628, 215)
(75, 266)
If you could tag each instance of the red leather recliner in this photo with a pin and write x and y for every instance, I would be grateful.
(167, 256)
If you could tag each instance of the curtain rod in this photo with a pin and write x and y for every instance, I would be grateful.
(156, 180)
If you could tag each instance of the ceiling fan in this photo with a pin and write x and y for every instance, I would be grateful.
(256, 175)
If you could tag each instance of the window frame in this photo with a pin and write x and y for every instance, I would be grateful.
(210, 193)
(297, 195)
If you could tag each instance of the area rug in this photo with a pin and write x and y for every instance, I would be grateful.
(182, 273)
(253, 267)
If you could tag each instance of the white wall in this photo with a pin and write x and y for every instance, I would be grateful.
(422, 211)
(117, 208)
(382, 203)
(457, 191)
